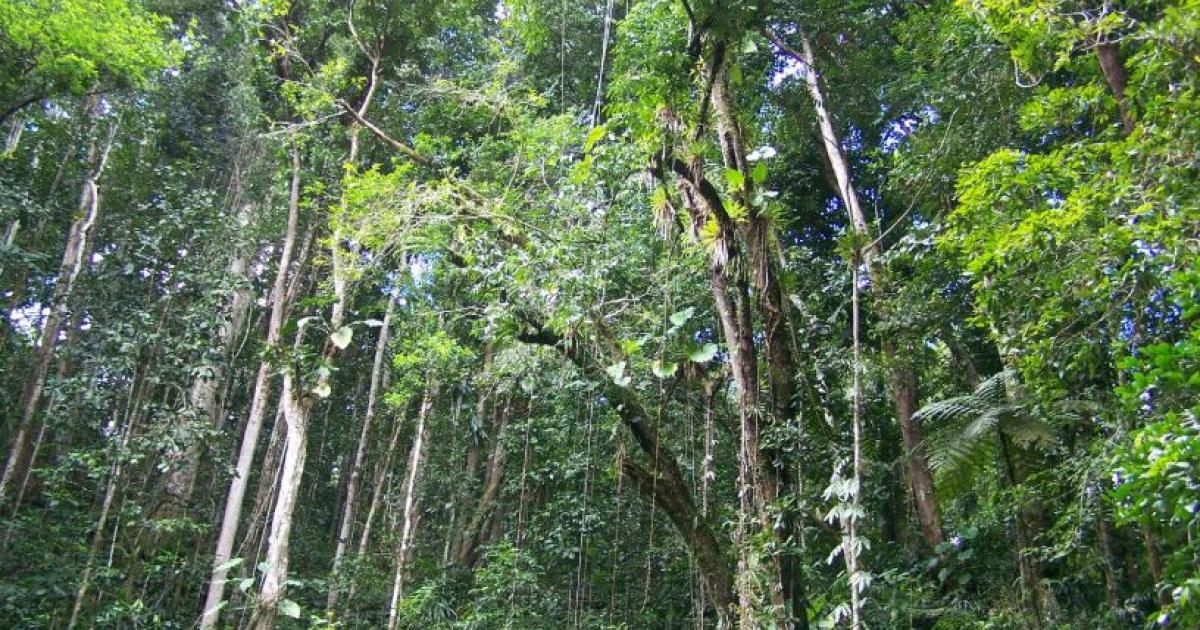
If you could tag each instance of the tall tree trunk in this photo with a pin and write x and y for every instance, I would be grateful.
(1154, 559)
(203, 397)
(347, 524)
(73, 262)
(380, 481)
(237, 486)
(410, 501)
(902, 378)
(297, 403)
(296, 407)
(456, 539)
(765, 275)
(378, 485)
(1108, 560)
(473, 534)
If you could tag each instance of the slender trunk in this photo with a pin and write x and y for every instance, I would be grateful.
(410, 501)
(1108, 561)
(13, 137)
(850, 524)
(1109, 56)
(73, 261)
(110, 492)
(254, 539)
(1030, 576)
(902, 377)
(137, 395)
(204, 396)
(473, 534)
(297, 403)
(237, 486)
(1154, 559)
(347, 524)
(296, 407)
(26, 472)
(457, 539)
(378, 484)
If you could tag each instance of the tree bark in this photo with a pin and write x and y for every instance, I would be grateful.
(204, 397)
(73, 262)
(347, 524)
(237, 486)
(902, 378)
(296, 407)
(411, 501)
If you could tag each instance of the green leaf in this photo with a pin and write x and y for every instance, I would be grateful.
(735, 178)
(759, 174)
(680, 318)
(322, 390)
(617, 373)
(229, 564)
(289, 608)
(594, 136)
(245, 584)
(663, 370)
(341, 337)
(703, 354)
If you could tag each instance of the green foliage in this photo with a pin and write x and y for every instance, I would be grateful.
(562, 301)
(77, 46)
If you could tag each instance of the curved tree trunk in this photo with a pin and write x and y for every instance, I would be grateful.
(663, 482)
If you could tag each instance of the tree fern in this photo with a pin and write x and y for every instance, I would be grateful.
(964, 431)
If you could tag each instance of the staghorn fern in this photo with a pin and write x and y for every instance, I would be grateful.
(963, 431)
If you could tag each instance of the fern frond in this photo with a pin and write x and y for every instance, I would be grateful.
(950, 410)
(1027, 431)
(994, 389)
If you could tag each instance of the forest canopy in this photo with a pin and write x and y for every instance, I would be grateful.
(600, 314)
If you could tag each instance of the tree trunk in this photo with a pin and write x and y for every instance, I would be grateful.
(378, 484)
(473, 534)
(902, 377)
(1109, 56)
(297, 403)
(73, 262)
(663, 483)
(296, 407)
(204, 396)
(411, 502)
(1108, 561)
(765, 273)
(347, 524)
(237, 486)
(1154, 559)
